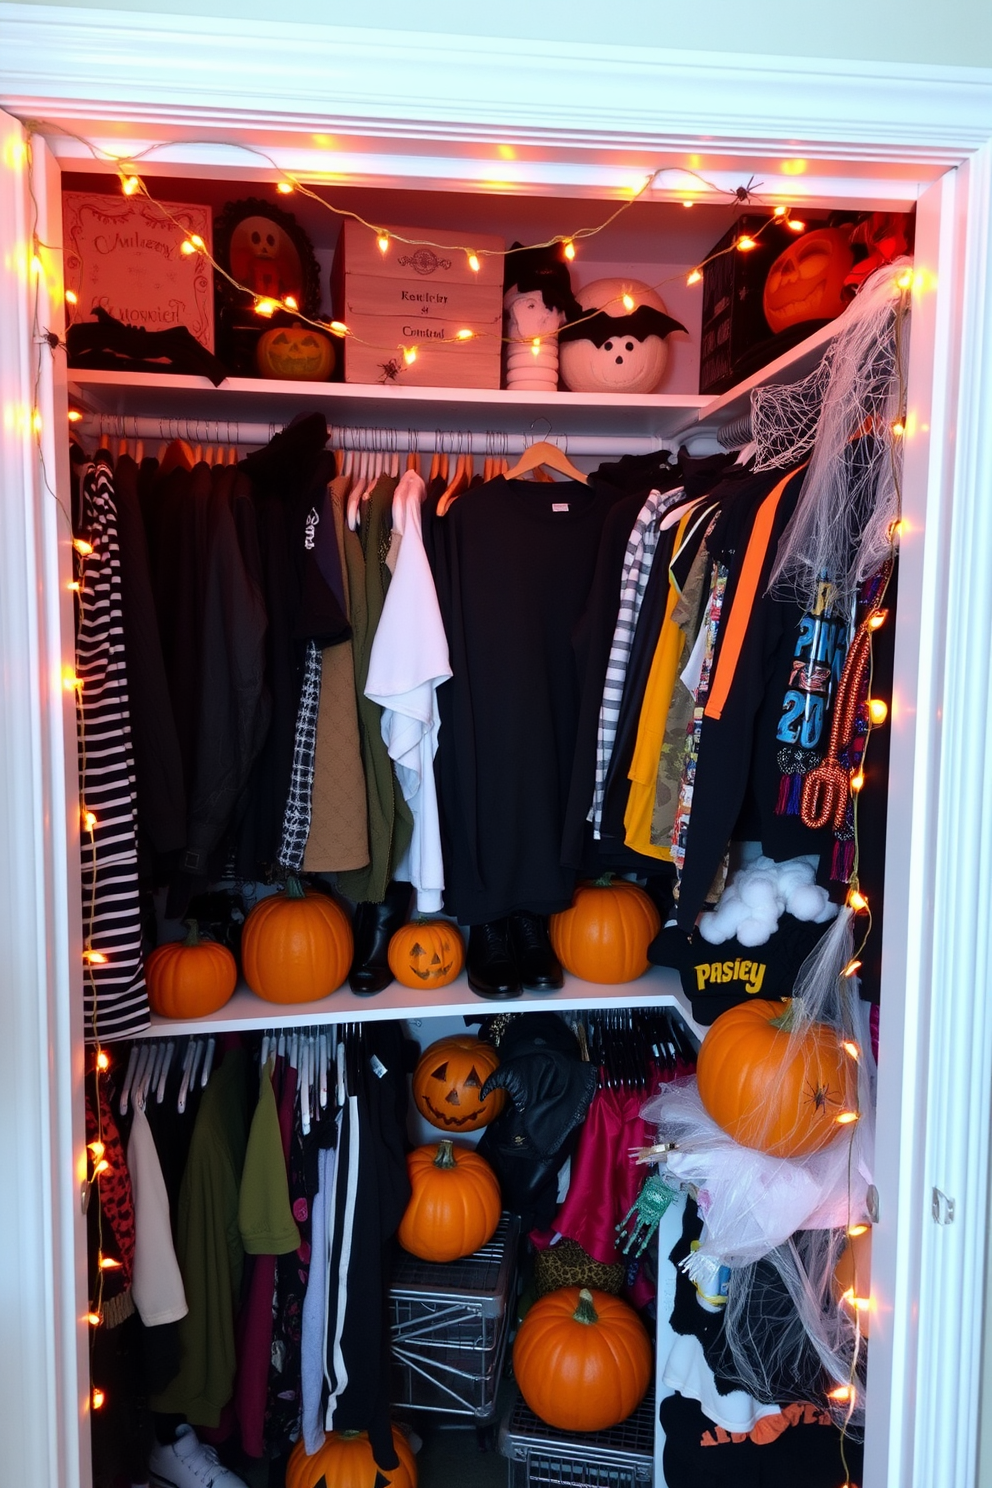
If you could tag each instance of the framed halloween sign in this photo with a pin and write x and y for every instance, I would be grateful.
(123, 254)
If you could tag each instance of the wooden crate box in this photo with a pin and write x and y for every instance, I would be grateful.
(421, 297)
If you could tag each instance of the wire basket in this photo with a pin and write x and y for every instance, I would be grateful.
(542, 1456)
(449, 1326)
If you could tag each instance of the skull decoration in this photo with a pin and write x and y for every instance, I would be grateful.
(622, 348)
(806, 282)
(295, 352)
(448, 1080)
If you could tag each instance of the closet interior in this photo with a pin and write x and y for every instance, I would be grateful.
(768, 704)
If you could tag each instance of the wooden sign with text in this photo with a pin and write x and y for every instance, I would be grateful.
(124, 254)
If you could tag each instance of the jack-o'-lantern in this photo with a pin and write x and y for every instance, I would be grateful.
(448, 1081)
(622, 348)
(806, 281)
(295, 352)
(426, 954)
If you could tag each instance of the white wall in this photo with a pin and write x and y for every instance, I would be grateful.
(951, 32)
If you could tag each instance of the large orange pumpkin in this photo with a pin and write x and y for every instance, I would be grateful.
(448, 1079)
(455, 1204)
(190, 978)
(345, 1461)
(296, 946)
(426, 954)
(784, 1097)
(605, 935)
(582, 1360)
(852, 1278)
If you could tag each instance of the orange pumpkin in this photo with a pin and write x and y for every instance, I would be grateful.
(605, 935)
(455, 1204)
(426, 953)
(345, 1461)
(190, 978)
(781, 1096)
(852, 1278)
(296, 352)
(582, 1360)
(296, 946)
(448, 1079)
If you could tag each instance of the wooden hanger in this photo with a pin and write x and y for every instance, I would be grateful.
(464, 470)
(547, 454)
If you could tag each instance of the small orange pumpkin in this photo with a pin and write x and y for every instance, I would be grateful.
(190, 978)
(605, 935)
(296, 946)
(582, 1360)
(295, 352)
(426, 953)
(455, 1204)
(781, 1096)
(448, 1079)
(852, 1278)
(345, 1461)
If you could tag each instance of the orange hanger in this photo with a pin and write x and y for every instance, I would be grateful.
(459, 483)
(177, 455)
(549, 455)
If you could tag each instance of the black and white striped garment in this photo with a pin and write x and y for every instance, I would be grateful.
(299, 805)
(115, 1001)
(637, 561)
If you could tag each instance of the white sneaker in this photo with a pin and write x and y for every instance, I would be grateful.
(189, 1463)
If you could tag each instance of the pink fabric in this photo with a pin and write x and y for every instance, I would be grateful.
(604, 1180)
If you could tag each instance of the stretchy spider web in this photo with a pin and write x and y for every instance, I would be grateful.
(769, 1216)
(841, 419)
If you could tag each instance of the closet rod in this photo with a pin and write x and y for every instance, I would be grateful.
(426, 441)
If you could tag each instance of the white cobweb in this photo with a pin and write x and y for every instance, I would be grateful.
(841, 419)
(791, 1214)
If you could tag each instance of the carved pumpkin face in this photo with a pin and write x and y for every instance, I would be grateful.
(297, 353)
(426, 954)
(448, 1081)
(806, 281)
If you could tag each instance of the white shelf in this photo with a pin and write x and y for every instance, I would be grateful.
(659, 987)
(243, 399)
(791, 366)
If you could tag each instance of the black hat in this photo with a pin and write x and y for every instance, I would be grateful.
(546, 269)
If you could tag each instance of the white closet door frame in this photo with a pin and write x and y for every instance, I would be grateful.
(420, 109)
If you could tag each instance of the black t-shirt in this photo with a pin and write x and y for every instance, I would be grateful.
(513, 568)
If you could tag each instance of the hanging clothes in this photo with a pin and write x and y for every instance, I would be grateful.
(159, 786)
(210, 1249)
(390, 824)
(115, 1001)
(408, 663)
(338, 832)
(513, 574)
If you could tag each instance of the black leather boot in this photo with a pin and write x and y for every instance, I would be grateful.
(537, 964)
(373, 927)
(491, 972)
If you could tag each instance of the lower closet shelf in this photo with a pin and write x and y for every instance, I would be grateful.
(659, 987)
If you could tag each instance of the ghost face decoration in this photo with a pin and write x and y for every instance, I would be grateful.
(622, 349)
(528, 316)
(448, 1081)
(806, 282)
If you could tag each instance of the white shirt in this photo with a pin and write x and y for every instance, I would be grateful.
(157, 1285)
(408, 662)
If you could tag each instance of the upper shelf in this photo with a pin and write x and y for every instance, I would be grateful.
(658, 987)
(241, 399)
(186, 401)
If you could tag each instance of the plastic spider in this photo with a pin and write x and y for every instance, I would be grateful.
(744, 193)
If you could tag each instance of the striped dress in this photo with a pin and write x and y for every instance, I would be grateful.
(115, 1000)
